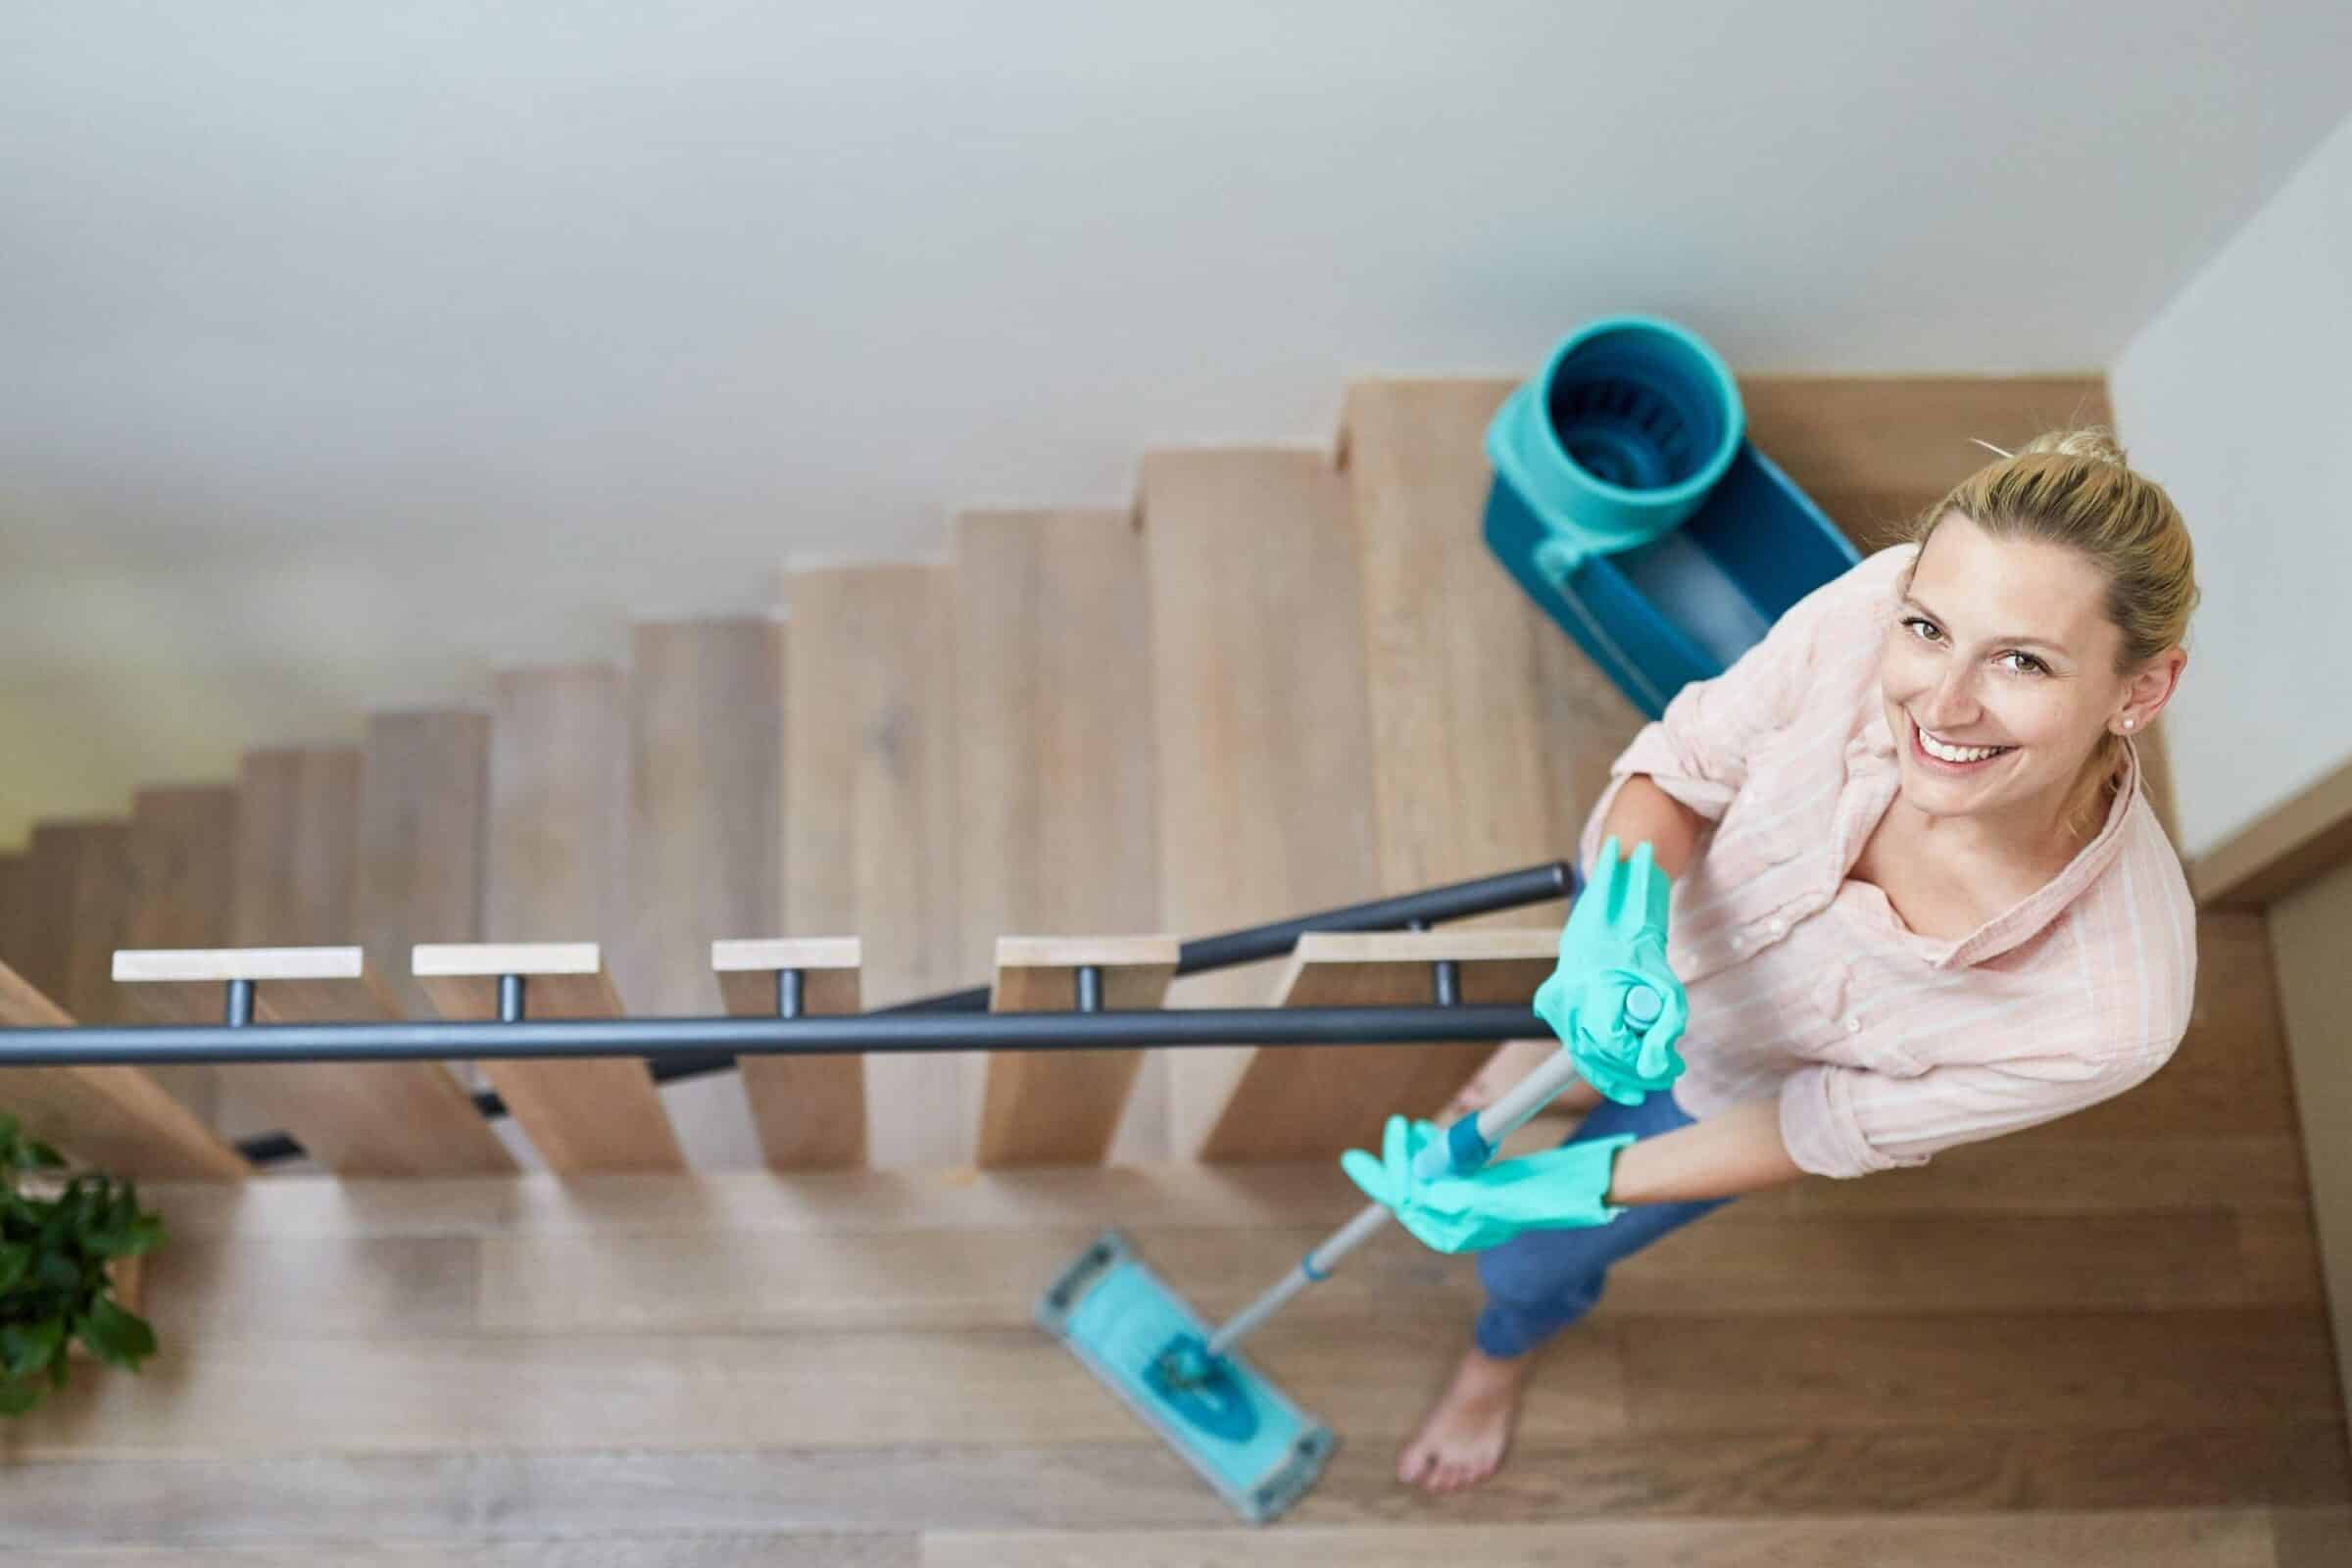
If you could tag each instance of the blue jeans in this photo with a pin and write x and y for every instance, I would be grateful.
(1538, 1281)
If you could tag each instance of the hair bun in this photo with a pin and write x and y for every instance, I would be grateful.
(2093, 441)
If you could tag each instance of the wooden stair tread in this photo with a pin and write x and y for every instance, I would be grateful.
(810, 1112)
(117, 1118)
(1063, 1107)
(1324, 1099)
(291, 985)
(581, 1113)
(558, 840)
(704, 851)
(871, 810)
(746, 968)
(1264, 734)
(298, 882)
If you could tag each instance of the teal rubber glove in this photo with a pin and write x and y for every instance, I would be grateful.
(1561, 1189)
(1614, 942)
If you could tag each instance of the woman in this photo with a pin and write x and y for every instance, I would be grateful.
(1919, 898)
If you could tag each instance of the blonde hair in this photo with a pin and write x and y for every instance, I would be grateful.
(2075, 488)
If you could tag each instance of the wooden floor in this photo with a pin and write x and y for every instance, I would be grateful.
(2098, 1343)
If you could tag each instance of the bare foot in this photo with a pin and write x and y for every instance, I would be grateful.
(1462, 1439)
(1512, 1060)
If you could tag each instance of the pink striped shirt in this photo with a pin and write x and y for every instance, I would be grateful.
(1883, 1046)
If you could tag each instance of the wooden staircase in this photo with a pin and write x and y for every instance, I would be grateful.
(1282, 682)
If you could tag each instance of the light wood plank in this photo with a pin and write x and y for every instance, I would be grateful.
(44, 945)
(746, 968)
(1265, 738)
(103, 910)
(870, 824)
(1298, 1101)
(728, 1282)
(810, 1110)
(1064, 1108)
(2308, 928)
(689, 1548)
(183, 877)
(706, 774)
(2052, 1170)
(559, 870)
(588, 1113)
(359, 1118)
(863, 1203)
(2090, 1368)
(291, 985)
(2035, 1171)
(424, 783)
(2312, 1538)
(1493, 733)
(1135, 1485)
(558, 806)
(16, 912)
(297, 884)
(2155, 1538)
(430, 960)
(182, 866)
(403, 1394)
(296, 839)
(107, 890)
(96, 916)
(1873, 452)
(115, 1118)
(1057, 780)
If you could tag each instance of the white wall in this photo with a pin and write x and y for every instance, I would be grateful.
(2237, 398)
(350, 352)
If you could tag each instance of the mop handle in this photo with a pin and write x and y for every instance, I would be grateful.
(1467, 1145)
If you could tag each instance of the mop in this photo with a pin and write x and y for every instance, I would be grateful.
(1247, 1440)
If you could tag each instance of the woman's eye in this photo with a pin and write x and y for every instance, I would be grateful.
(1925, 630)
(2027, 663)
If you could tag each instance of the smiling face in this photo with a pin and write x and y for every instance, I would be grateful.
(1999, 675)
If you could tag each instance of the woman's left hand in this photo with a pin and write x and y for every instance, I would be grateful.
(1614, 944)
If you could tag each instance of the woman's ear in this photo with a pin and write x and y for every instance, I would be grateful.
(2148, 690)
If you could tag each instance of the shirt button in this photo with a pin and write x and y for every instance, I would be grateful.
(1853, 1026)
(1778, 927)
(1738, 943)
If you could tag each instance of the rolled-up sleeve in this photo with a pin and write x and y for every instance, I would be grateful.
(1697, 750)
(1849, 1121)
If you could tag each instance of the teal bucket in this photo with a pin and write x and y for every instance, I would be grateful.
(1629, 425)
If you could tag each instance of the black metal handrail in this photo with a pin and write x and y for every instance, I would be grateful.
(678, 1048)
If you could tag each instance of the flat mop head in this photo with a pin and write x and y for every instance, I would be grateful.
(1256, 1448)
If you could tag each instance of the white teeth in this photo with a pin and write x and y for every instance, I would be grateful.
(1956, 754)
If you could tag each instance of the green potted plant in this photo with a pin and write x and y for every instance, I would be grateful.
(67, 1247)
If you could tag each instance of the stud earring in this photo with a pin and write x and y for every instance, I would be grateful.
(2127, 724)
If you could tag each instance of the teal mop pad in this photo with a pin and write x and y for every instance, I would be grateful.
(1258, 1449)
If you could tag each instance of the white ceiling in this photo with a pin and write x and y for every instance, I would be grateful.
(350, 353)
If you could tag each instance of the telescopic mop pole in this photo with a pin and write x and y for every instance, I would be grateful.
(1466, 1146)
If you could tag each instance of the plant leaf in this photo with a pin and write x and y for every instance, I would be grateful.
(16, 1262)
(17, 1398)
(30, 1348)
(115, 1335)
